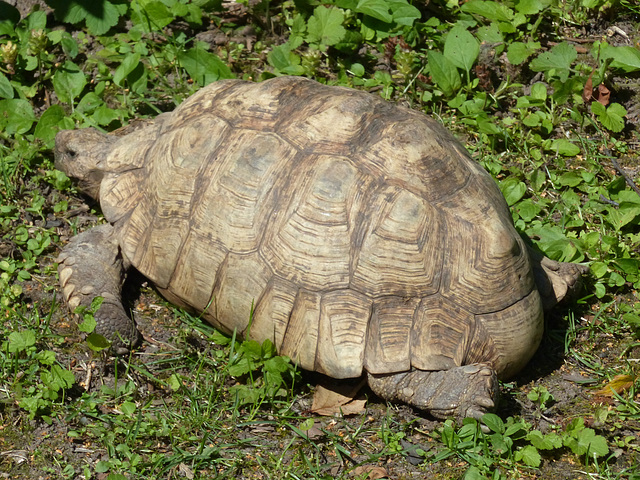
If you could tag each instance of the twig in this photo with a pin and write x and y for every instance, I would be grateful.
(627, 178)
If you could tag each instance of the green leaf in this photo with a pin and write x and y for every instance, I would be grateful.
(518, 52)
(403, 13)
(625, 59)
(494, 422)
(550, 441)
(203, 67)
(513, 190)
(16, 116)
(378, 9)
(97, 342)
(98, 16)
(127, 66)
(527, 209)
(529, 455)
(565, 148)
(284, 60)
(59, 378)
(324, 27)
(88, 325)
(49, 122)
(156, 13)
(557, 61)
(491, 10)
(612, 117)
(444, 73)
(68, 82)
(46, 357)
(128, 408)
(21, 341)
(586, 441)
(461, 48)
(6, 89)
(531, 7)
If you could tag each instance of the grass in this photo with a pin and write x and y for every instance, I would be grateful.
(551, 118)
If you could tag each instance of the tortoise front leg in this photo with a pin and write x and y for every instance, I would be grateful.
(91, 265)
(467, 391)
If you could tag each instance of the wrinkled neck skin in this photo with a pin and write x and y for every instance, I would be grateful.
(80, 154)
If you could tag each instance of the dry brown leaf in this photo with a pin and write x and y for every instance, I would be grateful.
(587, 91)
(618, 384)
(335, 398)
(374, 472)
(602, 94)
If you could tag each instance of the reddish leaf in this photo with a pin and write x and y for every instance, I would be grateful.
(587, 92)
(336, 398)
(374, 472)
(602, 94)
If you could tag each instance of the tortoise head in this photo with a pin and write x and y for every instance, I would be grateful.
(80, 154)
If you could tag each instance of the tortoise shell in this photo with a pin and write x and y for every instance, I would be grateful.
(353, 233)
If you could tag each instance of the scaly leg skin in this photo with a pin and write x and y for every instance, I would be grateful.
(467, 391)
(90, 266)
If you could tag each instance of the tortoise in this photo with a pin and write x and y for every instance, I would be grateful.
(357, 235)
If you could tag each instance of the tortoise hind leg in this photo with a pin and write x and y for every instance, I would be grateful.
(90, 266)
(466, 391)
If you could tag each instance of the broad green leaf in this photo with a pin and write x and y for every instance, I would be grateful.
(612, 117)
(531, 7)
(20, 341)
(557, 61)
(203, 67)
(626, 59)
(461, 48)
(564, 147)
(513, 190)
(378, 9)
(49, 122)
(444, 73)
(518, 52)
(105, 115)
(539, 91)
(324, 27)
(6, 90)
(127, 66)
(16, 116)
(474, 473)
(37, 20)
(68, 82)
(494, 422)
(529, 455)
(554, 243)
(157, 14)
(570, 179)
(403, 13)
(491, 10)
(98, 16)
(549, 441)
(598, 269)
(284, 60)
(60, 378)
(46, 357)
(527, 210)
(586, 441)
(128, 408)
(97, 342)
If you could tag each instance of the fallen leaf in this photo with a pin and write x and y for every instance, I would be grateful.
(602, 94)
(374, 472)
(618, 384)
(337, 398)
(587, 91)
